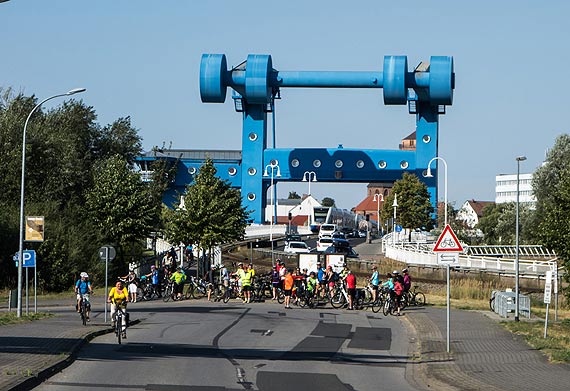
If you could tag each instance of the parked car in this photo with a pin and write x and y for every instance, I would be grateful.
(297, 247)
(324, 243)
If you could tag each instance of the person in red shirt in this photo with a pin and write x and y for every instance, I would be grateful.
(350, 280)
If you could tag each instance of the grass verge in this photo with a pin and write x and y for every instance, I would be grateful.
(556, 345)
(7, 318)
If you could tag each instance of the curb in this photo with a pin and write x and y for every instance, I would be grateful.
(48, 372)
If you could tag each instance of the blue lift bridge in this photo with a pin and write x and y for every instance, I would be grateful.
(255, 84)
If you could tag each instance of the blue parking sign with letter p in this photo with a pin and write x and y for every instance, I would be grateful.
(29, 258)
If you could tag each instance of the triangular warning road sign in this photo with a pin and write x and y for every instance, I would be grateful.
(448, 242)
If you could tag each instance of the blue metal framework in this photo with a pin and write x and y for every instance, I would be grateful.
(426, 90)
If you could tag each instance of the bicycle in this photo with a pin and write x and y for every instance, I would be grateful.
(197, 288)
(168, 292)
(381, 297)
(389, 305)
(339, 296)
(232, 292)
(413, 298)
(119, 314)
(83, 307)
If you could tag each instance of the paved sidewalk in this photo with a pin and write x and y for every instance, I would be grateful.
(483, 355)
(30, 352)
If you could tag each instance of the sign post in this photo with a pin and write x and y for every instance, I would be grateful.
(448, 248)
(106, 253)
(547, 296)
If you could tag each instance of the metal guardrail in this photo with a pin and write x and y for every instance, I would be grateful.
(422, 255)
(505, 303)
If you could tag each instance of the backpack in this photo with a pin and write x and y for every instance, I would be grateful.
(334, 277)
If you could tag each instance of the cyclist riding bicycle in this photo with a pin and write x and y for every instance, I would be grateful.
(83, 288)
(118, 297)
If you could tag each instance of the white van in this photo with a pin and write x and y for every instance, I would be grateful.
(327, 230)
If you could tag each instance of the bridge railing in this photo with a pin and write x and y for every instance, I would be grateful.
(420, 255)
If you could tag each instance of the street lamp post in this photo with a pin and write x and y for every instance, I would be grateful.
(273, 167)
(519, 160)
(307, 178)
(395, 206)
(378, 197)
(429, 175)
(22, 181)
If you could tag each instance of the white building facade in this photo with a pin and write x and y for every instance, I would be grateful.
(506, 188)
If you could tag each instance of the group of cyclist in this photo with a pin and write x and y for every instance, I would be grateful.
(291, 281)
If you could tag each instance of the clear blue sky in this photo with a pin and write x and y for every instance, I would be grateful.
(141, 58)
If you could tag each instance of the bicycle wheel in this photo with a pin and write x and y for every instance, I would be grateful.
(420, 299)
(167, 293)
(189, 292)
(387, 307)
(405, 300)
(118, 327)
(338, 299)
(280, 296)
(83, 313)
(377, 304)
(199, 292)
(367, 298)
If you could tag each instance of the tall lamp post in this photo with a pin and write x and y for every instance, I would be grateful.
(273, 167)
(395, 206)
(22, 181)
(519, 160)
(429, 175)
(378, 198)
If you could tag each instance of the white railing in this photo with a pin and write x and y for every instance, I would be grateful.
(418, 254)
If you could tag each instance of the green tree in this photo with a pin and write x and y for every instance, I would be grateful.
(327, 201)
(212, 213)
(294, 196)
(551, 186)
(121, 205)
(414, 207)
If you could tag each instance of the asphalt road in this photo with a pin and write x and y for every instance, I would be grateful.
(197, 345)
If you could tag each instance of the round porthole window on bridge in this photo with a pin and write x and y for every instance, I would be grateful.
(404, 164)
(338, 163)
(382, 164)
(295, 163)
(316, 163)
(192, 170)
(251, 171)
(251, 196)
(232, 171)
(360, 164)
(426, 139)
(274, 162)
(252, 136)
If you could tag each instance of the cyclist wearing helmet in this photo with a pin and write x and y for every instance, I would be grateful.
(83, 288)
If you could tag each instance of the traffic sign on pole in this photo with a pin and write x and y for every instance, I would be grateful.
(448, 242)
(107, 253)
